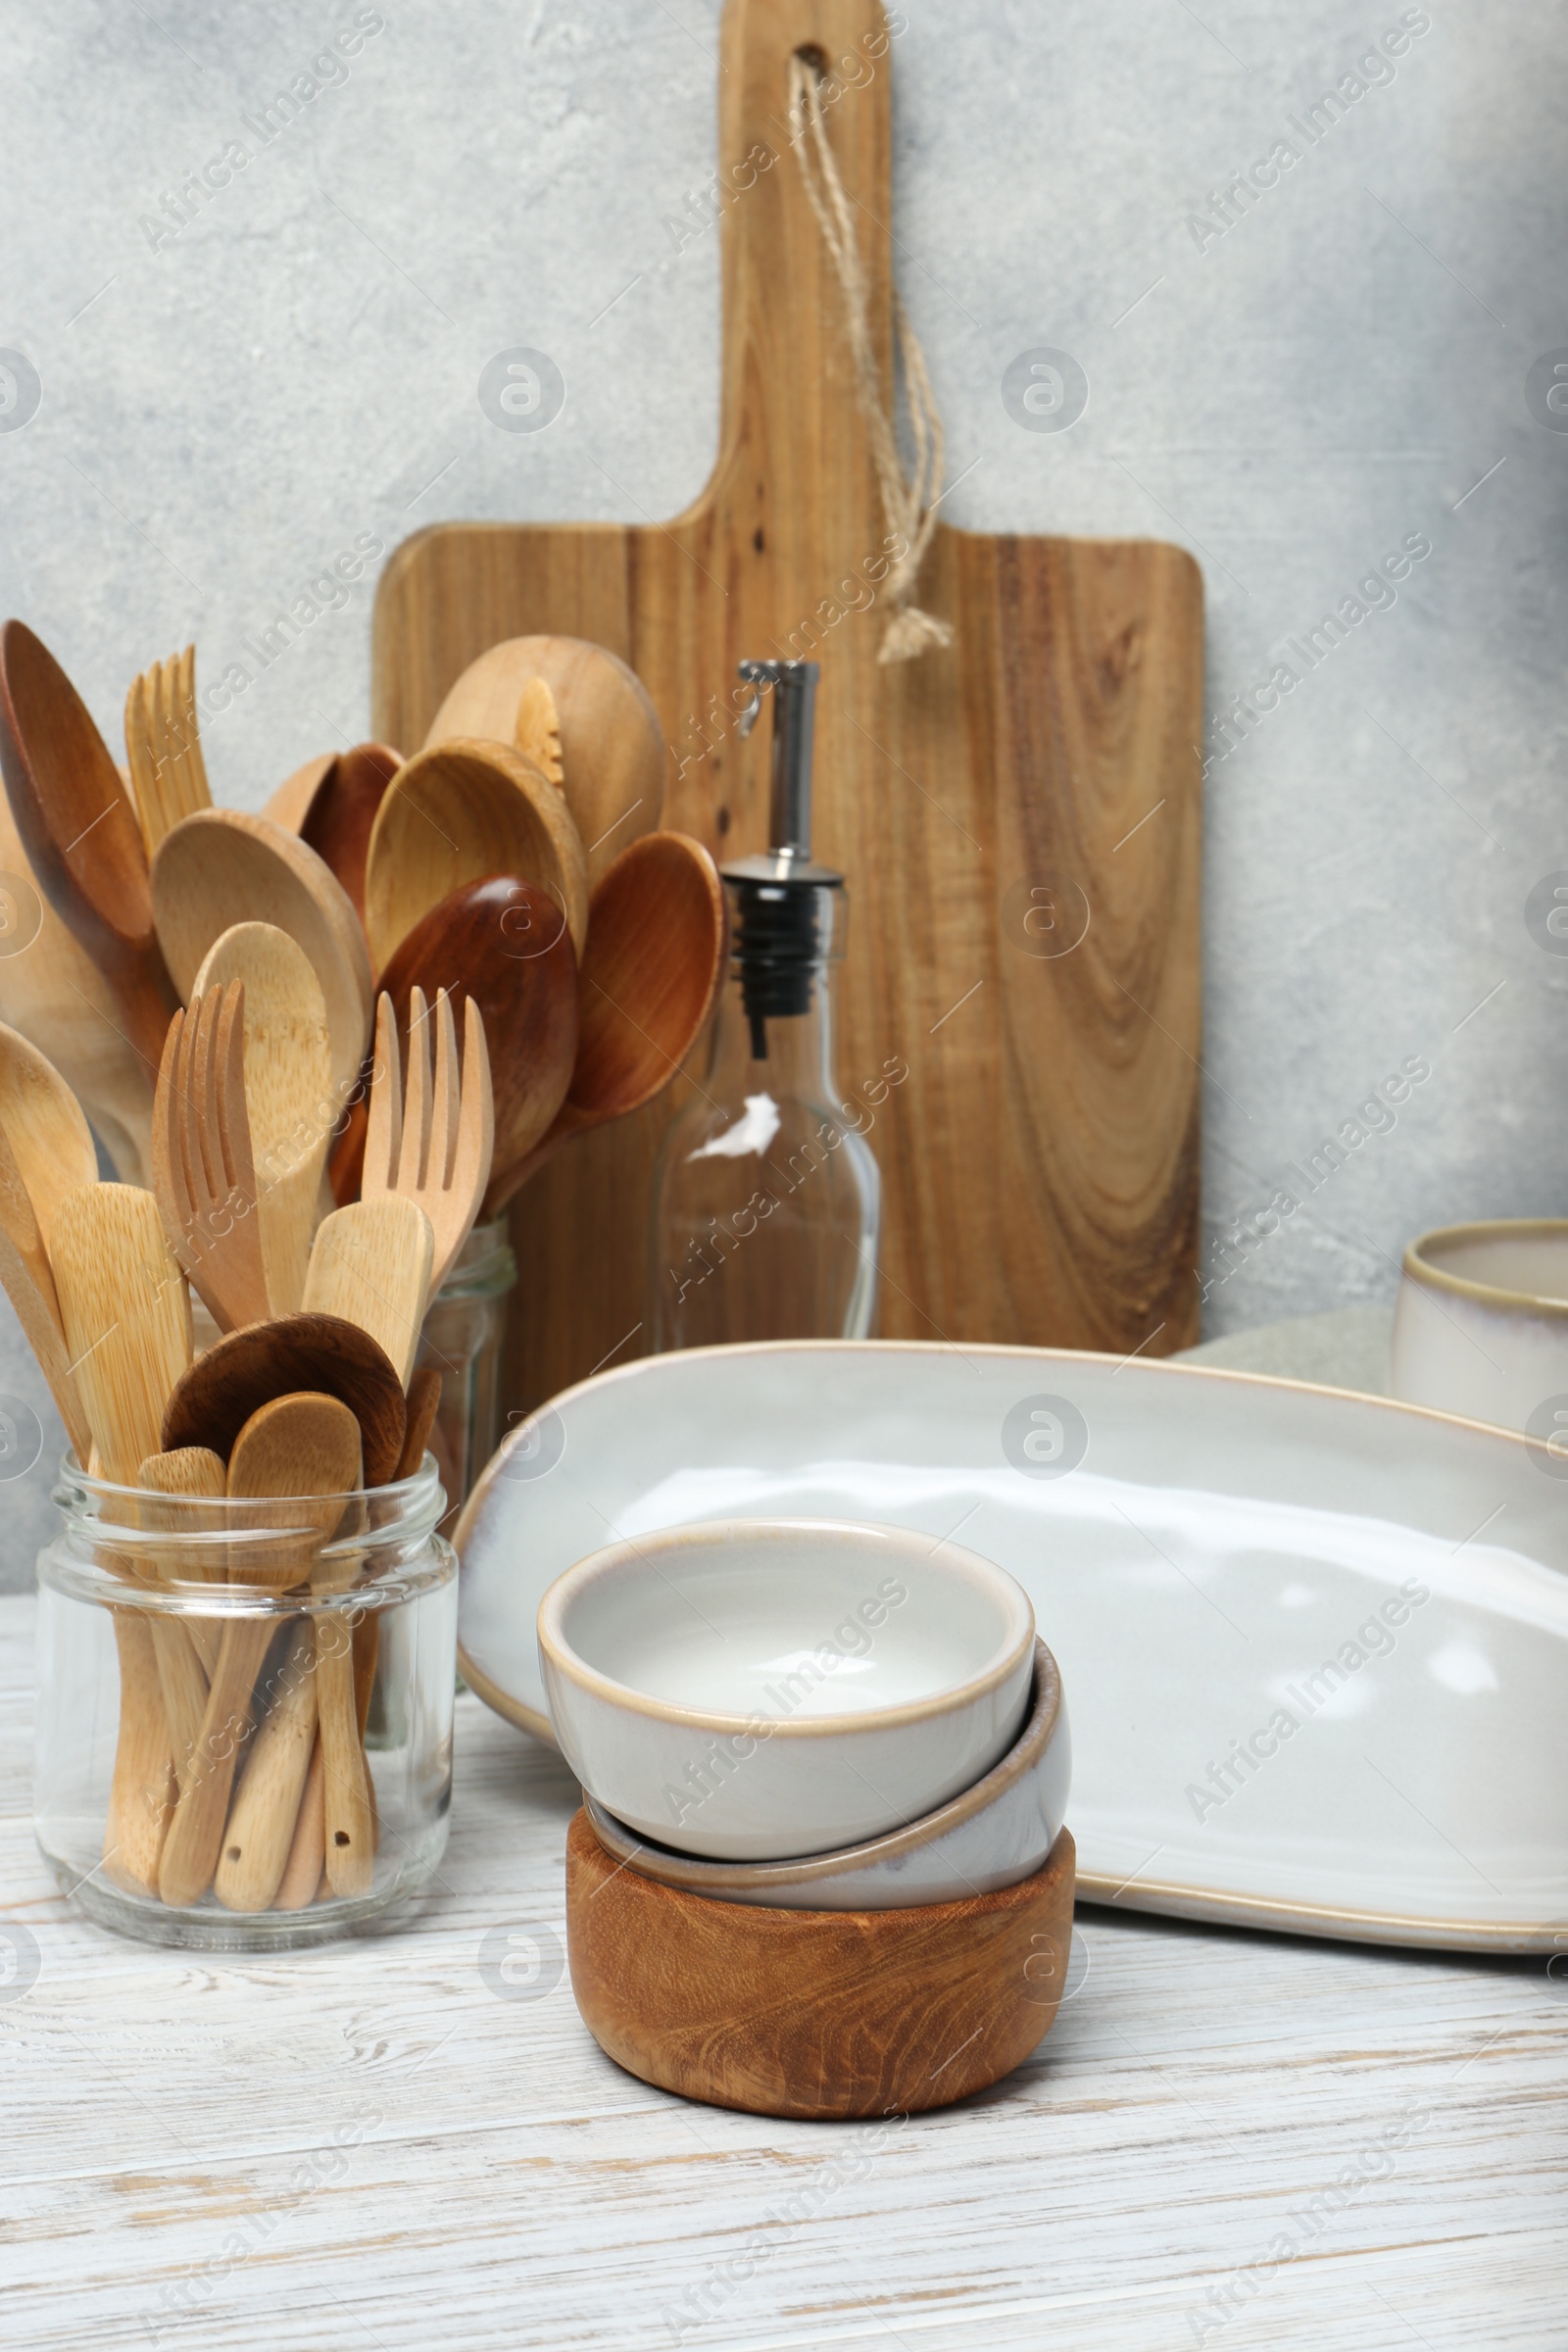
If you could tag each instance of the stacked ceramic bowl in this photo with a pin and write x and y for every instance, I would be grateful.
(809, 1715)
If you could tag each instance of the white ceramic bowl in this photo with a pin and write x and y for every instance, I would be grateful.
(1481, 1328)
(753, 1689)
(994, 1835)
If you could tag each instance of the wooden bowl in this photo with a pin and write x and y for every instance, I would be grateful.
(815, 2015)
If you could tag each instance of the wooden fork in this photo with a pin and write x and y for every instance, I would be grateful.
(163, 744)
(202, 1170)
(434, 1146)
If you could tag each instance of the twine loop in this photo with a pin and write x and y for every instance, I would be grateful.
(908, 500)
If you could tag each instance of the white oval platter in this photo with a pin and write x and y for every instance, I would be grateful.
(1315, 1644)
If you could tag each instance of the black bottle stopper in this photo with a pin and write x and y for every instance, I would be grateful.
(783, 920)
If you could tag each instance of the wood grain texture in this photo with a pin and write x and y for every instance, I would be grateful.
(1040, 1163)
(414, 2136)
(54, 993)
(248, 1368)
(815, 2015)
(81, 833)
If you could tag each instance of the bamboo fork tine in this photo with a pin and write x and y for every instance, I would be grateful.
(413, 1150)
(162, 746)
(195, 791)
(475, 1143)
(384, 1132)
(444, 1112)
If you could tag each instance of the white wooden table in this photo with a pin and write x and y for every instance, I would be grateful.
(407, 2141)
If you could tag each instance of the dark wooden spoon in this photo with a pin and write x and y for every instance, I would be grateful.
(218, 1394)
(331, 805)
(81, 834)
(651, 966)
(504, 944)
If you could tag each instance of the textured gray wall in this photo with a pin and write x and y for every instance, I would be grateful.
(226, 409)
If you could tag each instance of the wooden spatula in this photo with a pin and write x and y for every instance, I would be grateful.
(301, 1446)
(191, 1472)
(370, 1265)
(127, 1319)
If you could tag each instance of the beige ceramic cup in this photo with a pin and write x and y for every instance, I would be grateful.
(1481, 1325)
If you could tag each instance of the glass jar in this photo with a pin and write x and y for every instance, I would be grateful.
(463, 1327)
(244, 1708)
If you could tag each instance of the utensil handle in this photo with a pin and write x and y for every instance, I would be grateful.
(184, 1683)
(350, 1822)
(256, 1843)
(195, 1834)
(141, 1796)
(302, 1878)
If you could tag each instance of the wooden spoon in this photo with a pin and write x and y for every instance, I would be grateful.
(288, 806)
(44, 1126)
(656, 952)
(81, 833)
(221, 867)
(288, 1091)
(612, 751)
(505, 945)
(334, 810)
(127, 1319)
(454, 814)
(325, 1353)
(370, 1265)
(425, 1394)
(29, 1284)
(52, 991)
(297, 1448)
(45, 1151)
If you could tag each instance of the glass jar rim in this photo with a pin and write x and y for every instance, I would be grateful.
(237, 1555)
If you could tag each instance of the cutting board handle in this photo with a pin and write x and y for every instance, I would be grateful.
(790, 428)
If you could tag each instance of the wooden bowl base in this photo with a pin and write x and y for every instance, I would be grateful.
(815, 2014)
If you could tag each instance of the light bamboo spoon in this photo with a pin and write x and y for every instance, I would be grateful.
(126, 1320)
(433, 1145)
(81, 833)
(454, 814)
(221, 867)
(370, 1265)
(164, 746)
(646, 987)
(297, 1448)
(203, 1171)
(288, 1091)
(610, 757)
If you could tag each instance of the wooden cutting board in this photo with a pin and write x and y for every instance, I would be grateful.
(1040, 1160)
